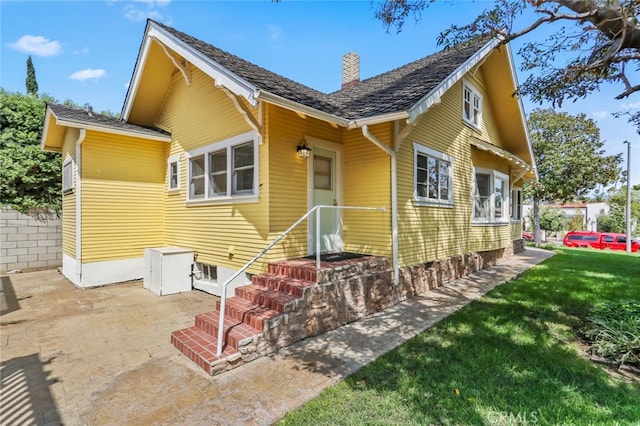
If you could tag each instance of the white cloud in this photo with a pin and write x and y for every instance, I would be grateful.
(634, 105)
(88, 74)
(600, 114)
(154, 3)
(37, 45)
(275, 32)
(275, 36)
(132, 13)
(83, 51)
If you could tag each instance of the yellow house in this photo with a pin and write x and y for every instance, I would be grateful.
(219, 157)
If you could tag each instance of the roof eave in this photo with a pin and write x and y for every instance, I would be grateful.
(47, 117)
(220, 74)
(377, 119)
(300, 108)
(77, 124)
(514, 76)
(433, 97)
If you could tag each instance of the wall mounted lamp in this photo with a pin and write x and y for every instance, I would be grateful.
(303, 150)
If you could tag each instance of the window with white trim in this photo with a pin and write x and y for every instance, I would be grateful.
(67, 175)
(226, 170)
(433, 176)
(516, 204)
(205, 272)
(471, 105)
(173, 172)
(490, 196)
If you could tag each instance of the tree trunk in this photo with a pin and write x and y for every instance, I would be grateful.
(536, 220)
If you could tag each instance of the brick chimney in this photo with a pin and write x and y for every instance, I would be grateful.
(350, 70)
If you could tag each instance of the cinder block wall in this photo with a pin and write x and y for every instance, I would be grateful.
(29, 241)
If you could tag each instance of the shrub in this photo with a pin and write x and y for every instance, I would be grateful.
(613, 329)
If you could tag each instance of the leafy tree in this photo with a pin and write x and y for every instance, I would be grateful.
(29, 177)
(615, 221)
(552, 220)
(576, 223)
(570, 159)
(596, 42)
(31, 82)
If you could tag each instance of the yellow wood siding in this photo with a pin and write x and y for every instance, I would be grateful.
(69, 199)
(427, 233)
(516, 230)
(367, 183)
(122, 196)
(288, 184)
(221, 234)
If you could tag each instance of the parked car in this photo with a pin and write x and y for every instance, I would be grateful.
(528, 236)
(599, 240)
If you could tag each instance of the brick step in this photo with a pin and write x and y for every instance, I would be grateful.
(247, 312)
(291, 286)
(302, 269)
(234, 330)
(264, 296)
(200, 347)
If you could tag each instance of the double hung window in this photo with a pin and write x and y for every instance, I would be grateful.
(516, 204)
(433, 176)
(224, 171)
(490, 196)
(471, 105)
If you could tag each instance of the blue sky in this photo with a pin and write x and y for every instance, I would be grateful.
(86, 50)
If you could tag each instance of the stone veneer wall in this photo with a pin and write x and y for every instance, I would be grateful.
(352, 291)
(29, 241)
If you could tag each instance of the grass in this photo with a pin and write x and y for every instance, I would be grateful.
(511, 357)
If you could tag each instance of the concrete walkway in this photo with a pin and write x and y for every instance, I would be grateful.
(102, 356)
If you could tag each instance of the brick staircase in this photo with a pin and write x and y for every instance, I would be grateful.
(254, 310)
(285, 305)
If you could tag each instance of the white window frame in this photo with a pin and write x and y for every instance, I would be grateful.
(173, 160)
(68, 176)
(475, 105)
(231, 196)
(421, 150)
(516, 204)
(505, 211)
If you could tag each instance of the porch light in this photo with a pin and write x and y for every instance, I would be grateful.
(303, 150)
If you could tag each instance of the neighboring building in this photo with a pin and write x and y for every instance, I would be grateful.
(206, 157)
(588, 211)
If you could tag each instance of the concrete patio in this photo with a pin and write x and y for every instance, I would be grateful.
(103, 356)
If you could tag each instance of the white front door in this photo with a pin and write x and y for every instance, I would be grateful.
(324, 177)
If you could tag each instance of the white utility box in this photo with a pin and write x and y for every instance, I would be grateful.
(167, 270)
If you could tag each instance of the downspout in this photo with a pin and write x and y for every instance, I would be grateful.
(78, 177)
(394, 199)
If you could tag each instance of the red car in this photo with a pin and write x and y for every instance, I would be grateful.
(528, 236)
(599, 240)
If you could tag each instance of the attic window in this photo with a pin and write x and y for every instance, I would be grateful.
(471, 105)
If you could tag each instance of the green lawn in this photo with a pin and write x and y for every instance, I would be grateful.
(511, 357)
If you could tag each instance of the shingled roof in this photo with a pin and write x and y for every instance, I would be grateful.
(82, 117)
(394, 91)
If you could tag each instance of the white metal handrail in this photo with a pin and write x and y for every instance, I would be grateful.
(316, 209)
